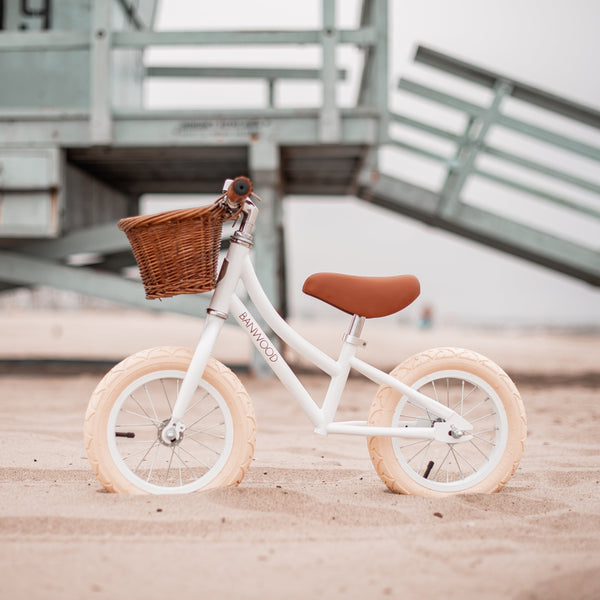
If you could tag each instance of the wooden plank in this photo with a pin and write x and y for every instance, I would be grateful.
(100, 74)
(269, 73)
(138, 39)
(15, 41)
(521, 91)
(22, 270)
(487, 228)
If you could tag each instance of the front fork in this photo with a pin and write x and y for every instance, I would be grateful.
(173, 430)
(218, 311)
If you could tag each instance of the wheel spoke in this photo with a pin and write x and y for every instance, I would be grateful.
(441, 465)
(130, 412)
(169, 467)
(479, 433)
(457, 464)
(186, 466)
(457, 453)
(162, 383)
(198, 460)
(153, 462)
(484, 417)
(143, 457)
(419, 452)
(151, 403)
(138, 452)
(217, 452)
(195, 403)
(212, 410)
(486, 456)
(482, 439)
(206, 431)
(435, 391)
(420, 408)
(463, 397)
(425, 454)
(412, 443)
(476, 406)
(141, 407)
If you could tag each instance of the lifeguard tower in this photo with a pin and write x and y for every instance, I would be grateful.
(78, 149)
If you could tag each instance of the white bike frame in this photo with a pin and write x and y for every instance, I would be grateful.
(238, 267)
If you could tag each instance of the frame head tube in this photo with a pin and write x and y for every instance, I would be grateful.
(243, 235)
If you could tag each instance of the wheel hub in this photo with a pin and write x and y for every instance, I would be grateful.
(448, 433)
(169, 434)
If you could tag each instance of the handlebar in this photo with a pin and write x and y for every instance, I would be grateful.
(239, 189)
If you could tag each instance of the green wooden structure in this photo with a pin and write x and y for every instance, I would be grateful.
(565, 178)
(78, 148)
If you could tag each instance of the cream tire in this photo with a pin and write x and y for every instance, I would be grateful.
(133, 402)
(474, 387)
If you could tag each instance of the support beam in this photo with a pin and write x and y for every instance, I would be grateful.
(521, 91)
(487, 228)
(100, 73)
(373, 89)
(510, 157)
(264, 172)
(101, 239)
(35, 41)
(468, 150)
(518, 125)
(364, 36)
(329, 126)
(268, 73)
(22, 270)
(264, 164)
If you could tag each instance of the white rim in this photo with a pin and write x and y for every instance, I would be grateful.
(142, 484)
(489, 445)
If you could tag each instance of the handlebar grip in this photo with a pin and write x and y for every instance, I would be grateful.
(239, 189)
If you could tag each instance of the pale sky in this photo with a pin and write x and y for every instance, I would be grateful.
(553, 45)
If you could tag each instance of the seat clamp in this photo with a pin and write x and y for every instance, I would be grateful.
(354, 340)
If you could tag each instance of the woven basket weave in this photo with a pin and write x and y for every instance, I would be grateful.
(177, 251)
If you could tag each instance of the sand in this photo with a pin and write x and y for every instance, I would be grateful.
(311, 519)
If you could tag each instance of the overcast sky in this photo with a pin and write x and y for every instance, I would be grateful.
(553, 45)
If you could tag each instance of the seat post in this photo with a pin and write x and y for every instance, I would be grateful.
(355, 330)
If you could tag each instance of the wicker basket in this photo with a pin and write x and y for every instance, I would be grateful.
(177, 251)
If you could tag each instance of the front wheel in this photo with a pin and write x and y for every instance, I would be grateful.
(133, 403)
(478, 390)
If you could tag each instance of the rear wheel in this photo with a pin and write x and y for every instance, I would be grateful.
(133, 403)
(478, 390)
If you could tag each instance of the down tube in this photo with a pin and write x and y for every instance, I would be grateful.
(277, 363)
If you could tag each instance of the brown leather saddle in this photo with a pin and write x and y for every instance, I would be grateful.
(368, 297)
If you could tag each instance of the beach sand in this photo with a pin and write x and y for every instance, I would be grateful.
(311, 519)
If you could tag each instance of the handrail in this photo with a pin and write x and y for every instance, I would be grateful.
(143, 39)
(238, 72)
(520, 91)
(14, 41)
(102, 41)
(472, 141)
